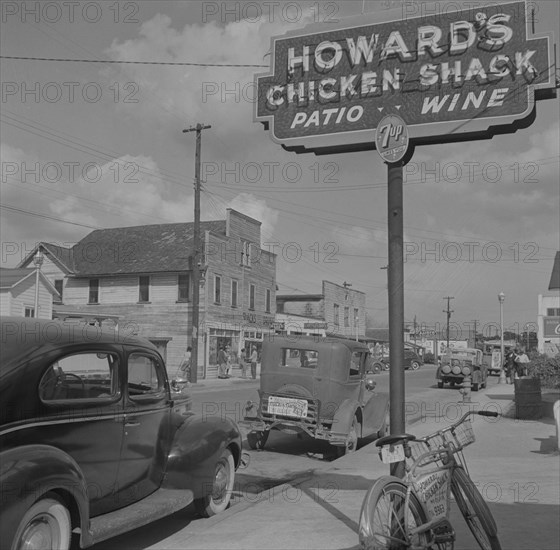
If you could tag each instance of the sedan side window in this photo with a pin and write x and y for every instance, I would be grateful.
(81, 376)
(144, 376)
(355, 363)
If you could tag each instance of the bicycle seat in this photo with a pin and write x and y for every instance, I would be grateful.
(394, 438)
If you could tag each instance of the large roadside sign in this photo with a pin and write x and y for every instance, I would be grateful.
(450, 76)
(551, 327)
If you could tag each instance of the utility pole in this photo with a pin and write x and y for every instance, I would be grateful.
(415, 331)
(196, 255)
(475, 322)
(449, 312)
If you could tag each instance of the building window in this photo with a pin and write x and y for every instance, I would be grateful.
(346, 316)
(93, 291)
(268, 300)
(252, 297)
(183, 283)
(29, 311)
(59, 286)
(553, 312)
(246, 253)
(356, 316)
(217, 289)
(144, 288)
(234, 287)
(336, 308)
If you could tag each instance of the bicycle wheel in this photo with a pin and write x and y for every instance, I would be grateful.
(475, 510)
(385, 520)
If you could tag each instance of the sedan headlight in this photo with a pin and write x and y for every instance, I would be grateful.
(466, 371)
(456, 369)
(446, 369)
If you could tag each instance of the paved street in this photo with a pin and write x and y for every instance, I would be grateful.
(286, 490)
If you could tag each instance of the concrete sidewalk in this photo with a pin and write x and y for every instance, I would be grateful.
(514, 464)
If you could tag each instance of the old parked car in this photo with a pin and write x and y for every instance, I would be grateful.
(457, 363)
(412, 361)
(94, 441)
(319, 386)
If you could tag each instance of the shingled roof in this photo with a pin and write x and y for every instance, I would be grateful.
(138, 249)
(9, 277)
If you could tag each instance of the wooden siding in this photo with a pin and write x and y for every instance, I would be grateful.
(344, 297)
(123, 289)
(23, 295)
(225, 261)
(5, 302)
(242, 227)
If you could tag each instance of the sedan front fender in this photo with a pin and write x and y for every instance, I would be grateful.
(197, 446)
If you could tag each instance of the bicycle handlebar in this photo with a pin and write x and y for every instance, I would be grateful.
(488, 413)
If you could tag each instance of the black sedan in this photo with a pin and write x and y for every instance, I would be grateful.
(94, 441)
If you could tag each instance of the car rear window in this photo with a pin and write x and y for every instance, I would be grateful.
(81, 376)
(299, 358)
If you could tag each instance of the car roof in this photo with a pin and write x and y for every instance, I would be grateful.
(21, 335)
(298, 341)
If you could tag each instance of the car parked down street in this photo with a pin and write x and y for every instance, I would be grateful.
(456, 364)
(94, 439)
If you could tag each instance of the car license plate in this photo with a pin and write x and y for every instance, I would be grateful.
(392, 453)
(285, 406)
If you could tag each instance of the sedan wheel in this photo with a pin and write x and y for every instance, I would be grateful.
(351, 440)
(45, 525)
(218, 500)
(440, 384)
(415, 365)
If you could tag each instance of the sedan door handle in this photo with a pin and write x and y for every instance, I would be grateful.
(131, 423)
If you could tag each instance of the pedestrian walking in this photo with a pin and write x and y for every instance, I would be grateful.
(243, 363)
(228, 362)
(222, 363)
(521, 361)
(509, 366)
(184, 370)
(254, 359)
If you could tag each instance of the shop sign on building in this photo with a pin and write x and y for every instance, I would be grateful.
(453, 75)
(315, 326)
(551, 327)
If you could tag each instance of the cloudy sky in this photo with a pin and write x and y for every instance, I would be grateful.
(89, 145)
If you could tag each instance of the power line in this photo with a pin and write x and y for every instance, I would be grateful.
(177, 63)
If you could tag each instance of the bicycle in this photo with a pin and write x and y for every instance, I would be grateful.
(412, 513)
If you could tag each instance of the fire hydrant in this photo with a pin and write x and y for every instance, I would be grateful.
(466, 389)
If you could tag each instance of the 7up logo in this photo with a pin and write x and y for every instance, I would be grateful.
(391, 139)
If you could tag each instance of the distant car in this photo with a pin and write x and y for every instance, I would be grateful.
(456, 364)
(94, 441)
(412, 360)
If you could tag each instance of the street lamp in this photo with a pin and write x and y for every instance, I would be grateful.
(501, 299)
(38, 262)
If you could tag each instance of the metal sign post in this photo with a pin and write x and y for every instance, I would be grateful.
(392, 144)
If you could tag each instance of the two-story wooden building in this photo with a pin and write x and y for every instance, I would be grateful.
(141, 277)
(339, 310)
